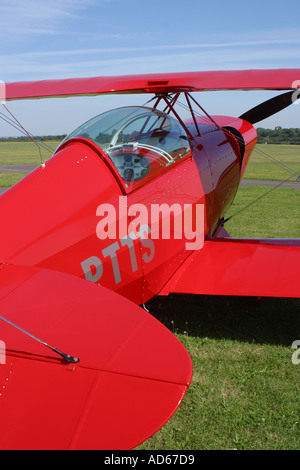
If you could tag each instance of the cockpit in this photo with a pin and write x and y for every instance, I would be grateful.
(139, 141)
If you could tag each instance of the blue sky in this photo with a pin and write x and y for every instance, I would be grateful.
(72, 38)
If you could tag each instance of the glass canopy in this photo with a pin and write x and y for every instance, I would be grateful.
(139, 141)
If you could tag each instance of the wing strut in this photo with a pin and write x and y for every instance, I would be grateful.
(67, 357)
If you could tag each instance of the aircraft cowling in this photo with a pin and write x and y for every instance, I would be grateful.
(221, 150)
(243, 132)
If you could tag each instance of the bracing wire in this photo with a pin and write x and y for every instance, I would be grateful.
(205, 116)
(18, 126)
(210, 120)
(259, 151)
(31, 138)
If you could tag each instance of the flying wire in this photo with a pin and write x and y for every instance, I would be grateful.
(210, 120)
(206, 117)
(16, 125)
(65, 356)
(257, 199)
(31, 138)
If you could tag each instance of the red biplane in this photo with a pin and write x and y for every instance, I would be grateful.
(86, 366)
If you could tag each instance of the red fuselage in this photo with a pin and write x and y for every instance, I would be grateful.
(50, 216)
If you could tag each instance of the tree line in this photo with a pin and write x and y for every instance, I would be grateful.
(42, 138)
(278, 135)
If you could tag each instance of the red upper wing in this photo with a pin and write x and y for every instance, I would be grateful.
(279, 79)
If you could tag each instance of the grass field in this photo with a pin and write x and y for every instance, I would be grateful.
(276, 215)
(9, 179)
(17, 153)
(245, 388)
(245, 392)
(262, 166)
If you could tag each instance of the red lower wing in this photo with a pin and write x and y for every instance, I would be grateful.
(267, 268)
(132, 375)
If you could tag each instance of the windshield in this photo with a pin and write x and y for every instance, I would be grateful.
(138, 140)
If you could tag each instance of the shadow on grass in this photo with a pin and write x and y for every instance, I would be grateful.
(271, 320)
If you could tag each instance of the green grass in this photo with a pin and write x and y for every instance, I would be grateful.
(245, 388)
(273, 216)
(9, 179)
(19, 153)
(261, 167)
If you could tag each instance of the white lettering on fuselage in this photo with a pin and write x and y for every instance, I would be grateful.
(93, 266)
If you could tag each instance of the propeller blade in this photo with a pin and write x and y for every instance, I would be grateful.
(268, 108)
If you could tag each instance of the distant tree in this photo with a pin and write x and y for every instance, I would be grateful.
(278, 135)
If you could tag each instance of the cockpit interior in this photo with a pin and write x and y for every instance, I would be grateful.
(139, 141)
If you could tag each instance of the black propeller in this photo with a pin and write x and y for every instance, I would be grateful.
(268, 108)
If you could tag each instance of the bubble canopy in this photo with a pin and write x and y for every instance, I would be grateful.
(138, 140)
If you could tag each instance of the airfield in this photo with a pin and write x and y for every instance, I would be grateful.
(245, 388)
